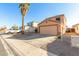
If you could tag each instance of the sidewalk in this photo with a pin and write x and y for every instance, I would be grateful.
(2, 49)
(25, 49)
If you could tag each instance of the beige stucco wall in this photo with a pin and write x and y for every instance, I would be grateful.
(63, 24)
(3, 31)
(35, 24)
(62, 29)
(76, 29)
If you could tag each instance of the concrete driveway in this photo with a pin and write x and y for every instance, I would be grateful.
(34, 39)
(50, 43)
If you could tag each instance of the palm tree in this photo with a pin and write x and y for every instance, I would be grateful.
(24, 8)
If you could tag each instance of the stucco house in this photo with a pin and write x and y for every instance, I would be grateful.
(76, 28)
(70, 30)
(29, 29)
(31, 26)
(55, 25)
(3, 29)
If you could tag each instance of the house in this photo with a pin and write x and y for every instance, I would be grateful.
(29, 29)
(76, 28)
(31, 26)
(55, 25)
(3, 29)
(70, 30)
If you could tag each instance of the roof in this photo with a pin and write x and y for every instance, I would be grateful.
(75, 25)
(51, 18)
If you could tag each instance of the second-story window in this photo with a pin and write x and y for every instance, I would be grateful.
(58, 19)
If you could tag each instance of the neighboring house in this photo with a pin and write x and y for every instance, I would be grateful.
(76, 28)
(31, 26)
(29, 29)
(70, 30)
(55, 25)
(3, 29)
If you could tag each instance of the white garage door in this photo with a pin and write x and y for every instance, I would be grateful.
(52, 30)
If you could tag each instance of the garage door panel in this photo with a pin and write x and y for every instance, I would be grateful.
(52, 30)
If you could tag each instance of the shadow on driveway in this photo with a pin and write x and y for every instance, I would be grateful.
(28, 36)
(62, 48)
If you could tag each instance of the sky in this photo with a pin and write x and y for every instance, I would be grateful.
(10, 13)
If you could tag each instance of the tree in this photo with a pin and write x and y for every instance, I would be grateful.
(14, 27)
(30, 23)
(24, 8)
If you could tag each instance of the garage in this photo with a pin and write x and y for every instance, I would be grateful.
(52, 30)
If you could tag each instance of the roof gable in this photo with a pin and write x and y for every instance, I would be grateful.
(52, 19)
(47, 22)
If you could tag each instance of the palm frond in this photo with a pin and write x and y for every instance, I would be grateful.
(20, 5)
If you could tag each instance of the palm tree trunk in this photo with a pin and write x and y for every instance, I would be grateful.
(22, 24)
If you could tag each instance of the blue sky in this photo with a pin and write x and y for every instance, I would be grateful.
(10, 13)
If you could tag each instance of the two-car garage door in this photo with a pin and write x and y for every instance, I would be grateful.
(51, 30)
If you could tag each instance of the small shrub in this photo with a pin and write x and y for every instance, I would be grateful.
(36, 30)
(59, 37)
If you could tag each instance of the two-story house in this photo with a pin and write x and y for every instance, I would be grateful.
(55, 25)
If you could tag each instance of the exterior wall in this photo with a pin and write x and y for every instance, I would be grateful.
(63, 24)
(62, 29)
(26, 28)
(59, 29)
(77, 29)
(35, 24)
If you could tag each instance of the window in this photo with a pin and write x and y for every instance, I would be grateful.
(58, 19)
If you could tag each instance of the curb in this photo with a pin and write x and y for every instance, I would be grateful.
(6, 47)
(12, 51)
